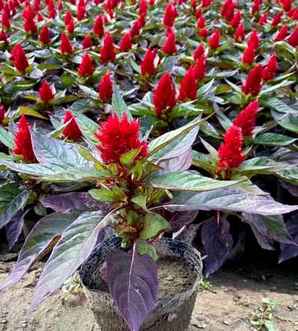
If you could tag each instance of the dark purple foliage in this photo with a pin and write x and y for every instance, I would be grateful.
(217, 242)
(288, 251)
(67, 202)
(133, 283)
(14, 228)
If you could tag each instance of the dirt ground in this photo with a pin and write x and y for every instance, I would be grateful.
(238, 300)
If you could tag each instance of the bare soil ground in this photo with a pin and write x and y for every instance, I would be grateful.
(238, 300)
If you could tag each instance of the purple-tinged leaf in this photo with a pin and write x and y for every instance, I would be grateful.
(292, 189)
(181, 162)
(68, 202)
(133, 284)
(237, 200)
(217, 242)
(14, 228)
(289, 251)
(268, 229)
(181, 219)
(74, 247)
(46, 232)
(18, 203)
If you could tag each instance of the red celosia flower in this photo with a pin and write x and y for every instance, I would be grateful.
(143, 8)
(136, 27)
(68, 18)
(44, 35)
(286, 4)
(2, 113)
(164, 94)
(5, 19)
(252, 84)
(107, 52)
(30, 26)
(248, 55)
(51, 8)
(230, 153)
(147, 65)
(227, 9)
(256, 6)
(236, 19)
(200, 68)
(263, 19)
(117, 136)
(40, 18)
(293, 13)
(269, 71)
(239, 33)
(23, 142)
(169, 46)
(206, 3)
(81, 10)
(87, 42)
(254, 40)
(293, 38)
(86, 67)
(72, 130)
(19, 58)
(98, 27)
(126, 42)
(170, 15)
(65, 45)
(105, 88)
(45, 92)
(198, 52)
(3, 37)
(246, 119)
(276, 19)
(188, 86)
(201, 22)
(282, 33)
(70, 27)
(214, 39)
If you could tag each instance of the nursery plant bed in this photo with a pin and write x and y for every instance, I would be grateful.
(227, 305)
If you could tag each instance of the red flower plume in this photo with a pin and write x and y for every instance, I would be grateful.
(98, 27)
(236, 19)
(44, 35)
(87, 42)
(81, 10)
(214, 39)
(276, 19)
(263, 19)
(200, 68)
(3, 37)
(45, 92)
(126, 42)
(248, 55)
(169, 46)
(105, 88)
(170, 15)
(246, 119)
(19, 58)
(143, 7)
(65, 45)
(68, 17)
(117, 136)
(230, 153)
(293, 38)
(5, 19)
(269, 71)
(107, 52)
(147, 65)
(254, 40)
(2, 113)
(282, 33)
(256, 6)
(252, 84)
(198, 52)
(23, 142)
(72, 130)
(227, 9)
(239, 33)
(188, 86)
(164, 94)
(86, 67)
(286, 4)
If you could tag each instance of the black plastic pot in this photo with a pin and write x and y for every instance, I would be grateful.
(172, 313)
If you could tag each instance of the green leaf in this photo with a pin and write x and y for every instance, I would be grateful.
(161, 142)
(140, 200)
(127, 159)
(203, 161)
(87, 126)
(18, 203)
(145, 248)
(275, 87)
(188, 181)
(118, 103)
(154, 224)
(274, 139)
(23, 110)
(75, 246)
(6, 138)
(108, 194)
(40, 240)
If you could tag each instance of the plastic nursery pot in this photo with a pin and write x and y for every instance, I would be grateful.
(180, 272)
